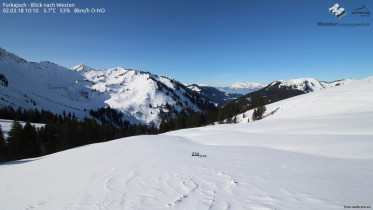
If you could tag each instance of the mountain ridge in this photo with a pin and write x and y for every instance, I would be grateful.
(142, 97)
(283, 89)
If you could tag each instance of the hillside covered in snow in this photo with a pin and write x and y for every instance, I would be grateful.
(141, 96)
(312, 151)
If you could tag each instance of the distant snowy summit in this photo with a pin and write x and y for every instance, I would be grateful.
(82, 67)
(250, 85)
(242, 87)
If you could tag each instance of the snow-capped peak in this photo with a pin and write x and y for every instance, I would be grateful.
(82, 67)
(304, 84)
(242, 87)
(309, 84)
(247, 85)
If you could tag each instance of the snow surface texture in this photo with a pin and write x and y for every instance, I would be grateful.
(313, 152)
(139, 95)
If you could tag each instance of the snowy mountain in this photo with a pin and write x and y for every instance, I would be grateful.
(82, 67)
(141, 96)
(313, 152)
(307, 84)
(282, 89)
(242, 88)
(214, 95)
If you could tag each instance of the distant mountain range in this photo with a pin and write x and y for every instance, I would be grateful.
(242, 88)
(215, 96)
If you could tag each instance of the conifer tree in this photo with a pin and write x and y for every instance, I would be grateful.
(2, 146)
(14, 140)
(46, 138)
(258, 113)
(29, 146)
(260, 108)
(255, 115)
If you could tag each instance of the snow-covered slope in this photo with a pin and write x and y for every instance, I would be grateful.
(314, 152)
(352, 100)
(40, 85)
(139, 95)
(336, 83)
(242, 87)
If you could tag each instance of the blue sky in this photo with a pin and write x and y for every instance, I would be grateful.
(216, 42)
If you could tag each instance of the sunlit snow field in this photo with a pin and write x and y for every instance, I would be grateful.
(314, 152)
